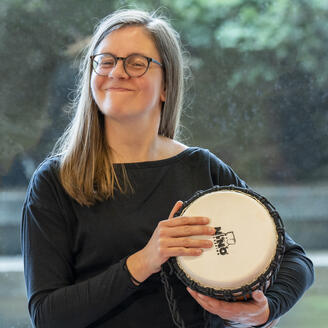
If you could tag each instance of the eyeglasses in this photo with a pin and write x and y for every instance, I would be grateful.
(135, 65)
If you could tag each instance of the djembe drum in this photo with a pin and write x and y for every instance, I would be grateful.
(247, 251)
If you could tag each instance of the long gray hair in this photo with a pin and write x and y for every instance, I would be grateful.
(86, 170)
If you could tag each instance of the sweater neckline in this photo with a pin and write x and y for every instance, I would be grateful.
(157, 163)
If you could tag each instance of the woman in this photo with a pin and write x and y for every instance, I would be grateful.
(97, 225)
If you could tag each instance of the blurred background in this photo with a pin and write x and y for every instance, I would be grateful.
(258, 99)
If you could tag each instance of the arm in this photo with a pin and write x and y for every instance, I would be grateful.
(55, 299)
(295, 276)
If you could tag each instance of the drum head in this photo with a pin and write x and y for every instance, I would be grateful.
(244, 244)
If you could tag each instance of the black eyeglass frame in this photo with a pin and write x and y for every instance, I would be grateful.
(116, 59)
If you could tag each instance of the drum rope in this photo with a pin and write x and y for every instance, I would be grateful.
(169, 295)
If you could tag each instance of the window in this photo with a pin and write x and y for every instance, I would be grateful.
(258, 99)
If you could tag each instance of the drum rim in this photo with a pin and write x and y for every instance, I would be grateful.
(262, 281)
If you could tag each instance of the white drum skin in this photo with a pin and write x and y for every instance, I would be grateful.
(244, 245)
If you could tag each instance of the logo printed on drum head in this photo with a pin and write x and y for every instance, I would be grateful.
(222, 241)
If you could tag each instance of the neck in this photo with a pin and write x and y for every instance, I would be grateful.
(133, 141)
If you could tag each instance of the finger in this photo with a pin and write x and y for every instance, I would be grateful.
(181, 251)
(200, 297)
(224, 309)
(190, 230)
(259, 297)
(187, 242)
(187, 220)
(202, 300)
(196, 296)
(175, 208)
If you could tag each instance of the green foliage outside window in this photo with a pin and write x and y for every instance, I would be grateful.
(258, 97)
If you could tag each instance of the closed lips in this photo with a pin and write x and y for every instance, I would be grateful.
(118, 89)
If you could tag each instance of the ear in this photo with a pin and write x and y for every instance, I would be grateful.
(163, 96)
(163, 93)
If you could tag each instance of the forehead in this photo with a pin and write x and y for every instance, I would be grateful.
(127, 40)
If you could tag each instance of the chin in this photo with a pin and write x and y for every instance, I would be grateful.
(121, 113)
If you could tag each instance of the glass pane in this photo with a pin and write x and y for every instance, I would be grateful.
(258, 100)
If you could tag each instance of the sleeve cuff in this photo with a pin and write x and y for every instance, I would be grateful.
(133, 283)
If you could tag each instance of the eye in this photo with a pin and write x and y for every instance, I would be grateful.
(136, 62)
(107, 61)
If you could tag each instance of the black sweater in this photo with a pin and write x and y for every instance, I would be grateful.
(74, 255)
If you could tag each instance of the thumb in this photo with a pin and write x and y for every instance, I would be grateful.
(258, 296)
(175, 208)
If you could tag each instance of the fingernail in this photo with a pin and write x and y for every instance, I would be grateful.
(206, 220)
(209, 243)
(212, 230)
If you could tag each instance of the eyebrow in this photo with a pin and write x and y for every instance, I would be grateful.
(132, 53)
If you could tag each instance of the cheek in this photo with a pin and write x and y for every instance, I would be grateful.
(152, 89)
(95, 84)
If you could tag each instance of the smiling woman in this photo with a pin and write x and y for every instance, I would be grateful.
(149, 104)
(97, 221)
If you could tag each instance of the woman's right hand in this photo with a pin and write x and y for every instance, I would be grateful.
(170, 238)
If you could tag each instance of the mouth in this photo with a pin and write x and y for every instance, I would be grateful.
(118, 89)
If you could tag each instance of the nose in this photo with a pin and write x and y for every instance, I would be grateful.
(118, 71)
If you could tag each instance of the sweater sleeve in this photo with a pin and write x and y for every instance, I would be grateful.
(295, 276)
(54, 298)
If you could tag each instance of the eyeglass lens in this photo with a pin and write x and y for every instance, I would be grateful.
(134, 65)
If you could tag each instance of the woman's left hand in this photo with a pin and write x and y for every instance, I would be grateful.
(253, 312)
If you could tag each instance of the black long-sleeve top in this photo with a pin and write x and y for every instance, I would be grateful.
(74, 255)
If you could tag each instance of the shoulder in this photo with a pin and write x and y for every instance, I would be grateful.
(203, 155)
(44, 181)
(204, 164)
(222, 174)
(47, 170)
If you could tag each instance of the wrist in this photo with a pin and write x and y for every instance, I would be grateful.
(134, 280)
(136, 268)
